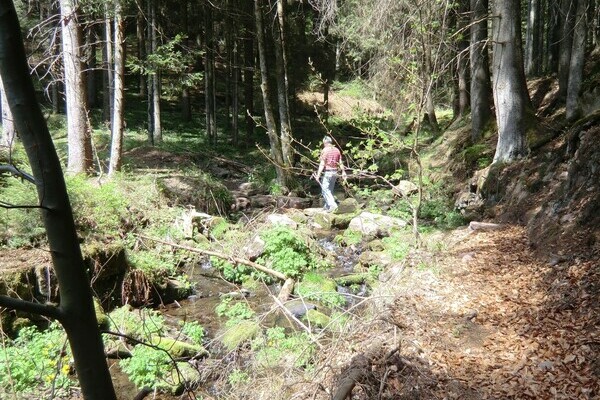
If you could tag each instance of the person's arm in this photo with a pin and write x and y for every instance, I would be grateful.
(321, 168)
(341, 164)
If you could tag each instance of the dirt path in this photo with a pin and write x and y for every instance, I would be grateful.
(484, 319)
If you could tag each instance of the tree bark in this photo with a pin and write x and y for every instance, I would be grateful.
(141, 48)
(533, 38)
(76, 310)
(186, 103)
(553, 35)
(209, 75)
(462, 60)
(109, 78)
(281, 75)
(567, 20)
(78, 129)
(248, 38)
(116, 148)
(481, 88)
(8, 126)
(265, 89)
(510, 90)
(155, 78)
(577, 61)
(91, 66)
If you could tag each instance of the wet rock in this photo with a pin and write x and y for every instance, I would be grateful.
(263, 201)
(293, 202)
(236, 335)
(347, 206)
(374, 258)
(254, 249)
(299, 308)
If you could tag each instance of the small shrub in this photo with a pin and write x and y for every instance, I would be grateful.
(148, 367)
(234, 311)
(193, 330)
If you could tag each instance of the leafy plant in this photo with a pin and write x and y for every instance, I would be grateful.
(285, 251)
(276, 348)
(396, 246)
(318, 288)
(35, 363)
(141, 324)
(193, 330)
(148, 367)
(234, 311)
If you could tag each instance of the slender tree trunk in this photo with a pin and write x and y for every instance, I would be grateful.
(78, 129)
(186, 104)
(248, 38)
(553, 38)
(481, 88)
(577, 61)
(90, 66)
(269, 115)
(567, 20)
(149, 94)
(282, 88)
(8, 126)
(141, 48)
(209, 78)
(235, 95)
(108, 54)
(428, 92)
(155, 79)
(116, 148)
(228, 61)
(76, 310)
(532, 46)
(510, 90)
(462, 61)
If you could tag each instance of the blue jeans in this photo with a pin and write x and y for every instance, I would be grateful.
(327, 185)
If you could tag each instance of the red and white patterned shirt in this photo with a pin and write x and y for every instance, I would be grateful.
(331, 156)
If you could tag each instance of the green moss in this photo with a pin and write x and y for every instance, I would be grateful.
(177, 348)
(317, 318)
(237, 334)
(319, 288)
(101, 317)
(354, 279)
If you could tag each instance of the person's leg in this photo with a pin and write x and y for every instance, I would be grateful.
(327, 186)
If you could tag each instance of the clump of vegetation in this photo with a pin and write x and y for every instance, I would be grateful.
(275, 348)
(23, 226)
(140, 324)
(36, 364)
(316, 287)
(234, 311)
(148, 367)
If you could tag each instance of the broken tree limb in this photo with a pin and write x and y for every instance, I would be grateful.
(484, 226)
(236, 260)
(297, 321)
(357, 371)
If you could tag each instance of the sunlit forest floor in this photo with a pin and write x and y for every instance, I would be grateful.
(483, 318)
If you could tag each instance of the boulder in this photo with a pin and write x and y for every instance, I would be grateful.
(281, 219)
(375, 225)
(317, 318)
(405, 188)
(299, 308)
(347, 206)
(254, 249)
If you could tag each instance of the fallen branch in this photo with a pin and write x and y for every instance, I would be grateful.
(236, 260)
(358, 370)
(289, 314)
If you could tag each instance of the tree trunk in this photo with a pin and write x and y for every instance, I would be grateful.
(90, 66)
(209, 78)
(510, 90)
(567, 20)
(481, 88)
(248, 37)
(78, 129)
(282, 88)
(462, 61)
(141, 48)
(155, 79)
(149, 85)
(108, 68)
(76, 310)
(8, 126)
(577, 61)
(269, 115)
(553, 38)
(235, 95)
(533, 38)
(186, 104)
(116, 148)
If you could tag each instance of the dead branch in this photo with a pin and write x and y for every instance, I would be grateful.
(235, 260)
(358, 370)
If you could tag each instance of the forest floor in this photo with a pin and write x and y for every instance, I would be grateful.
(481, 319)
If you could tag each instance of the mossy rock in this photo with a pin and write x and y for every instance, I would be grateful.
(202, 191)
(341, 221)
(185, 375)
(319, 288)
(19, 283)
(348, 206)
(353, 279)
(178, 348)
(324, 220)
(239, 333)
(101, 317)
(317, 318)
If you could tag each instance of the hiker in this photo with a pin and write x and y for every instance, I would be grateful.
(331, 160)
